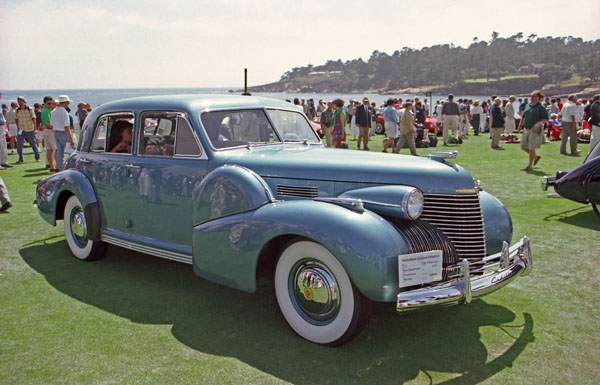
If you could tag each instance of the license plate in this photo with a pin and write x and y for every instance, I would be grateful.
(419, 268)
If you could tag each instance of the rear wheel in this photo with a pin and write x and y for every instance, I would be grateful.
(596, 208)
(379, 129)
(76, 233)
(316, 296)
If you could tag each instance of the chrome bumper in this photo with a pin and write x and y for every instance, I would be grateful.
(509, 264)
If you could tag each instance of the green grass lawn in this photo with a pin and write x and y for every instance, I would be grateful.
(134, 319)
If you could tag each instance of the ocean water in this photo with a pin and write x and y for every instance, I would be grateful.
(96, 97)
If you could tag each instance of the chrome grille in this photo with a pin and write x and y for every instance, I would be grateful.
(459, 218)
(297, 191)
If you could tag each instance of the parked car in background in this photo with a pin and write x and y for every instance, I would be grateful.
(581, 184)
(237, 185)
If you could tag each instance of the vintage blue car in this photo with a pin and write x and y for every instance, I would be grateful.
(234, 185)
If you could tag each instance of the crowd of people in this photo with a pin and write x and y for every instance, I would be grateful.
(577, 119)
(48, 128)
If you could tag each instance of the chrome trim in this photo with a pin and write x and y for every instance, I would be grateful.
(548, 181)
(443, 154)
(297, 191)
(349, 203)
(405, 200)
(466, 287)
(174, 256)
(315, 292)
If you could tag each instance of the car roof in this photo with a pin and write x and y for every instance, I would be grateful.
(197, 102)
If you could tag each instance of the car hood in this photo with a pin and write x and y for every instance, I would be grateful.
(308, 162)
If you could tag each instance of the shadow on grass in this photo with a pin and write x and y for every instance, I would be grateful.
(583, 216)
(220, 321)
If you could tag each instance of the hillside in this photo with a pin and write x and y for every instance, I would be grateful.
(500, 65)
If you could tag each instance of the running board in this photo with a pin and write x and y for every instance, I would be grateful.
(178, 257)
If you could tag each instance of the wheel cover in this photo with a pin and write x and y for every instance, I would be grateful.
(314, 292)
(78, 227)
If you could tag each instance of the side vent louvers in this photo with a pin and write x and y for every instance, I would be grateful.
(297, 191)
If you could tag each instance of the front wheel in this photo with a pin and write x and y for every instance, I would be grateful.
(316, 296)
(76, 233)
(379, 129)
(596, 208)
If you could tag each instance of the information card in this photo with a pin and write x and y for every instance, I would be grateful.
(419, 268)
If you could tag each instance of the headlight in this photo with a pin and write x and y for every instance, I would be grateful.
(413, 203)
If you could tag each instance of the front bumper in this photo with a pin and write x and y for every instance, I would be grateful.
(508, 264)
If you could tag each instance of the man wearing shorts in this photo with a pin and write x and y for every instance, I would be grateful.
(48, 131)
(534, 117)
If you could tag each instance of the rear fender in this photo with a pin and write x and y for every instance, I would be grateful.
(53, 192)
(226, 250)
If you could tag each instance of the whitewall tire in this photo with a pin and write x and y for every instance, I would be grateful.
(316, 296)
(76, 233)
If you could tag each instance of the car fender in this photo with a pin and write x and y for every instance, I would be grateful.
(52, 193)
(226, 250)
(497, 222)
(229, 190)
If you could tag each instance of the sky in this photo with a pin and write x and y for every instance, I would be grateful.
(197, 43)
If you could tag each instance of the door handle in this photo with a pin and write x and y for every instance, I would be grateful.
(133, 166)
(83, 160)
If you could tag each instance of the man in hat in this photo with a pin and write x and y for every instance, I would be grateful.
(62, 131)
(25, 119)
(363, 120)
(81, 113)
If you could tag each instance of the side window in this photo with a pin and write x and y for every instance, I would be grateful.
(113, 134)
(158, 130)
(185, 142)
(99, 141)
(237, 128)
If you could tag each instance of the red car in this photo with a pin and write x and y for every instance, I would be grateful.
(430, 123)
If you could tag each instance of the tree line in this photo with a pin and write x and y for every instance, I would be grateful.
(542, 60)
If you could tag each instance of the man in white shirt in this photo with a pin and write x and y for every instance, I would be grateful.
(60, 122)
(509, 122)
(569, 119)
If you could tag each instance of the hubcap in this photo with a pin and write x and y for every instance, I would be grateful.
(314, 292)
(78, 226)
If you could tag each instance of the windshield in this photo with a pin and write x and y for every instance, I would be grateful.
(594, 153)
(250, 127)
(238, 128)
(293, 126)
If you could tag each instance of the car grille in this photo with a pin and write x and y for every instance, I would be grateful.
(297, 191)
(459, 217)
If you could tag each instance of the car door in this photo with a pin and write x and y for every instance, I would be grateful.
(168, 162)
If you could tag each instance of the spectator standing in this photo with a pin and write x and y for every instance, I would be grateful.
(450, 113)
(463, 126)
(509, 110)
(11, 121)
(438, 114)
(37, 109)
(338, 121)
(533, 119)
(81, 113)
(3, 149)
(48, 132)
(476, 113)
(326, 127)
(554, 107)
(62, 132)
(580, 112)
(419, 110)
(594, 122)
(497, 123)
(4, 198)
(26, 123)
(363, 121)
(391, 120)
(569, 113)
(407, 130)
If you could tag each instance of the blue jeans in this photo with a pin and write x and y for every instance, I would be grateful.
(476, 123)
(61, 141)
(31, 140)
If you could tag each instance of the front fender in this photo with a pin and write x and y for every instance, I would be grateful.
(52, 193)
(497, 222)
(226, 250)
